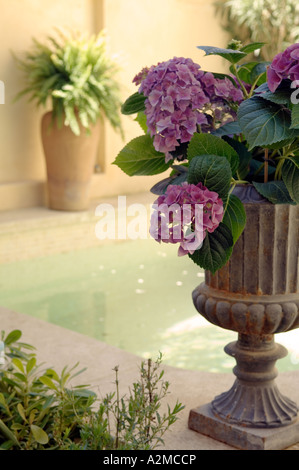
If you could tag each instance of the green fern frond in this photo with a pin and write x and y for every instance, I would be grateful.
(77, 75)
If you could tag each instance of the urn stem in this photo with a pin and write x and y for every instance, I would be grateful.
(254, 399)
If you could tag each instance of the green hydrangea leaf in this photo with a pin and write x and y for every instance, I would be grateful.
(233, 56)
(213, 172)
(139, 157)
(282, 94)
(275, 191)
(204, 144)
(290, 176)
(235, 216)
(215, 250)
(264, 122)
(245, 157)
(231, 128)
(252, 47)
(133, 104)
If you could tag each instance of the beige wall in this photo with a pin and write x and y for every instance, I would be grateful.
(141, 32)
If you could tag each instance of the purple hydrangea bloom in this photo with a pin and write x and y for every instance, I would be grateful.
(184, 215)
(181, 99)
(284, 65)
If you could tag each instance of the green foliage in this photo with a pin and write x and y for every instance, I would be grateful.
(202, 144)
(214, 172)
(77, 76)
(290, 176)
(275, 191)
(235, 216)
(264, 123)
(260, 148)
(139, 157)
(41, 409)
(252, 72)
(231, 55)
(216, 249)
(138, 421)
(273, 22)
(37, 408)
(133, 104)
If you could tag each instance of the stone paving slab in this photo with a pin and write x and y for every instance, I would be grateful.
(58, 347)
(38, 231)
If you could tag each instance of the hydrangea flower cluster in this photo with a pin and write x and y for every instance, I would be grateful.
(180, 97)
(284, 65)
(184, 215)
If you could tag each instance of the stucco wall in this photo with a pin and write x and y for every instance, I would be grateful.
(141, 32)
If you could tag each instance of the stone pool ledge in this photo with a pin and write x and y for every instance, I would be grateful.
(58, 347)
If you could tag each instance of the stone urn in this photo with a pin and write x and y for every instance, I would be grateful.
(255, 294)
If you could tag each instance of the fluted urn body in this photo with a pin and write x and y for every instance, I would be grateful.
(256, 295)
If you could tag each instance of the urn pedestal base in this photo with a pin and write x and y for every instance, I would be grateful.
(203, 420)
(253, 414)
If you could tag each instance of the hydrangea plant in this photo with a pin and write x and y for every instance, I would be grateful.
(215, 132)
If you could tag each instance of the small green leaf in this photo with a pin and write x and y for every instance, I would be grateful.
(2, 400)
(48, 382)
(18, 427)
(275, 191)
(12, 337)
(39, 434)
(53, 374)
(252, 47)
(139, 157)
(32, 415)
(84, 393)
(71, 119)
(5, 431)
(134, 104)
(18, 364)
(141, 119)
(206, 144)
(21, 411)
(259, 71)
(290, 176)
(20, 376)
(244, 71)
(248, 72)
(4, 404)
(30, 364)
(233, 56)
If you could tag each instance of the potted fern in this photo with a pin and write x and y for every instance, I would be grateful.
(76, 76)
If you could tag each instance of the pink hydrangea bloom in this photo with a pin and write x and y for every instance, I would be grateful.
(180, 99)
(284, 65)
(184, 215)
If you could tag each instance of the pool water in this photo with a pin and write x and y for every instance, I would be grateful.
(135, 295)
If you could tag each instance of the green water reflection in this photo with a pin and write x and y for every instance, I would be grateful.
(135, 295)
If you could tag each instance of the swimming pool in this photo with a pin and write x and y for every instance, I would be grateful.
(135, 295)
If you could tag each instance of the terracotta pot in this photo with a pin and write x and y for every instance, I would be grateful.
(70, 161)
(256, 295)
